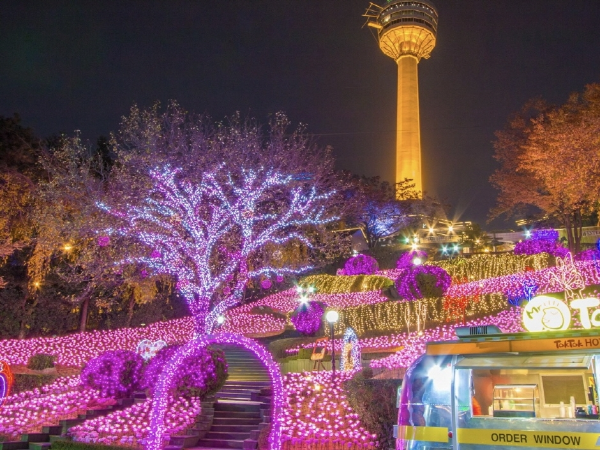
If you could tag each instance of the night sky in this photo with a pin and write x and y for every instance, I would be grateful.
(80, 65)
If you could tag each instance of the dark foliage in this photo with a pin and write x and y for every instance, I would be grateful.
(28, 382)
(41, 361)
(375, 402)
(70, 445)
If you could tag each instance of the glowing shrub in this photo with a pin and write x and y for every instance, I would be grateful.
(114, 373)
(542, 241)
(532, 247)
(361, 265)
(591, 254)
(201, 375)
(307, 318)
(406, 260)
(422, 282)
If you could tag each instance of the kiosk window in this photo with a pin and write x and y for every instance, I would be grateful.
(560, 389)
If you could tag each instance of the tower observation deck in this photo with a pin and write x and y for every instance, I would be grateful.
(406, 31)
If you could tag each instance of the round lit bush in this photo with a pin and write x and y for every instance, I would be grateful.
(361, 265)
(200, 375)
(532, 247)
(114, 373)
(591, 254)
(307, 318)
(407, 259)
(422, 282)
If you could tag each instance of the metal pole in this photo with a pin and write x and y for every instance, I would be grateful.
(332, 353)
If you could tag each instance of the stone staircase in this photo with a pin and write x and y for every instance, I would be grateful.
(49, 434)
(233, 419)
(242, 408)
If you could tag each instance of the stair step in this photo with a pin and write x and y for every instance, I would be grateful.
(241, 395)
(56, 437)
(39, 445)
(220, 443)
(227, 435)
(35, 437)
(14, 445)
(233, 428)
(239, 389)
(236, 421)
(203, 448)
(184, 440)
(240, 406)
(54, 429)
(236, 415)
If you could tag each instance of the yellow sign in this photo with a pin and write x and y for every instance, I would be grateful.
(584, 342)
(429, 434)
(522, 438)
(543, 313)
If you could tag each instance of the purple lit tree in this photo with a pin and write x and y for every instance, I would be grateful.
(212, 235)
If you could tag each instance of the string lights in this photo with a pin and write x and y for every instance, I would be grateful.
(206, 234)
(350, 351)
(158, 426)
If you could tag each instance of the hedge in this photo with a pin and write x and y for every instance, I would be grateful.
(41, 361)
(341, 284)
(71, 445)
(28, 382)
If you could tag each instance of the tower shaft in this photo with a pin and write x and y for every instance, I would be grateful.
(407, 31)
(408, 130)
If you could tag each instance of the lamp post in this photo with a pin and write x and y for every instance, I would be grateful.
(332, 317)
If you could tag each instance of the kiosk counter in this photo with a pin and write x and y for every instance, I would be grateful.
(503, 391)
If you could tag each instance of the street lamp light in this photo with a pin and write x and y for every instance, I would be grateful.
(332, 317)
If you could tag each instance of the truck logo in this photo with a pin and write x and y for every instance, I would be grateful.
(543, 313)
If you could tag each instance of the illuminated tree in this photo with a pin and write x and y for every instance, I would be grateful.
(550, 160)
(211, 234)
(380, 209)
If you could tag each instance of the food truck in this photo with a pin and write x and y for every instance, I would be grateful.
(488, 390)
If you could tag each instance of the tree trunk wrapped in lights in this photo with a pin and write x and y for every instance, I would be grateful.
(210, 235)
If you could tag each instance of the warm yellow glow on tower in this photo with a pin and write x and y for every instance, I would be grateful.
(406, 31)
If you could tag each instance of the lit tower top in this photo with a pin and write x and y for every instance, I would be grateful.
(406, 30)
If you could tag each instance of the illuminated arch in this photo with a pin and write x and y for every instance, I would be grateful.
(165, 380)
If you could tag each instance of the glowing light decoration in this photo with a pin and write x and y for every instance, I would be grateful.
(6, 381)
(206, 233)
(307, 317)
(545, 313)
(129, 427)
(543, 240)
(350, 351)
(360, 265)
(158, 428)
(568, 277)
(74, 350)
(407, 259)
(148, 349)
(318, 416)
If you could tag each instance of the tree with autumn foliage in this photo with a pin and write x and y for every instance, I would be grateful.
(68, 245)
(550, 161)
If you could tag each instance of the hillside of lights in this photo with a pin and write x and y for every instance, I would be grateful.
(316, 414)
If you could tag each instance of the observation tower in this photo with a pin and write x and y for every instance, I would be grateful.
(406, 31)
